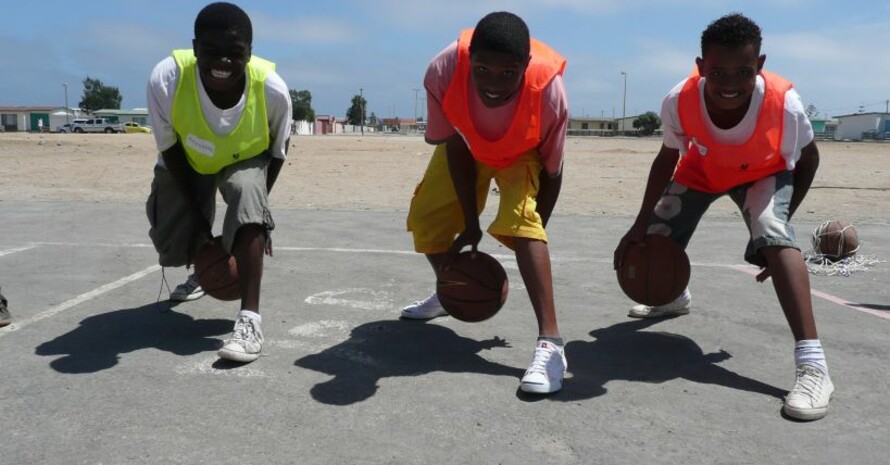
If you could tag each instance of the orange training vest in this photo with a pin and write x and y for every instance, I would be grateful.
(716, 168)
(524, 132)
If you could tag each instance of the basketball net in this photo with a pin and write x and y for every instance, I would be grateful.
(826, 265)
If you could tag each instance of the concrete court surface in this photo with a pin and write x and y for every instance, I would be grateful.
(96, 370)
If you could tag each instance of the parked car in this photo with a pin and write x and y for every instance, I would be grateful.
(133, 127)
(67, 127)
(106, 125)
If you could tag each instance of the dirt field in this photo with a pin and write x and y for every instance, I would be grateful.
(374, 172)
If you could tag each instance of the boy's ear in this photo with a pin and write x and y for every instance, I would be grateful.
(700, 65)
(760, 61)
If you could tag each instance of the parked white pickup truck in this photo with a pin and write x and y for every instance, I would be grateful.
(105, 125)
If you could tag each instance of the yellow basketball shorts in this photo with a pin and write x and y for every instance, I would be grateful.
(436, 218)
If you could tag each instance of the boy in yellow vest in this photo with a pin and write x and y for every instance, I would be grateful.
(496, 110)
(220, 119)
(733, 128)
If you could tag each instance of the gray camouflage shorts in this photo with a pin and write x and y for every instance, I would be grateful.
(243, 189)
(764, 205)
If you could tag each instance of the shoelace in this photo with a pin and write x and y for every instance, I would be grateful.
(539, 363)
(192, 282)
(243, 330)
(808, 382)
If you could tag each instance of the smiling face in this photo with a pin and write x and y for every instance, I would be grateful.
(730, 77)
(497, 76)
(222, 58)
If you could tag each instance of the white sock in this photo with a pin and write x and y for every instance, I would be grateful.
(809, 352)
(252, 315)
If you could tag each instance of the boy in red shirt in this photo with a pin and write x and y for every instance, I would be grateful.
(735, 129)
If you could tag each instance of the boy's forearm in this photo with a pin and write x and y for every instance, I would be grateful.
(179, 168)
(804, 173)
(660, 175)
(462, 168)
(548, 195)
(272, 172)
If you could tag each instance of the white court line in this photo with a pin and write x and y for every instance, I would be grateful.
(17, 249)
(822, 295)
(19, 324)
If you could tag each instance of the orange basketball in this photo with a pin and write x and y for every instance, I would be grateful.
(217, 271)
(836, 240)
(655, 271)
(473, 288)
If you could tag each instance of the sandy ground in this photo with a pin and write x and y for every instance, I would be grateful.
(603, 176)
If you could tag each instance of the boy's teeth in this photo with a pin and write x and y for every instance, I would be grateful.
(220, 74)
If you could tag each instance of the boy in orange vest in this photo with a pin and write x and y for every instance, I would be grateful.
(734, 129)
(496, 110)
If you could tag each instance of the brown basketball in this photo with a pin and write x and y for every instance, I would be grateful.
(473, 289)
(655, 271)
(836, 240)
(217, 271)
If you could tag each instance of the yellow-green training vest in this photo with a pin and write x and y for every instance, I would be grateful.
(207, 152)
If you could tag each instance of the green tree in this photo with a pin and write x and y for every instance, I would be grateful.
(647, 123)
(355, 113)
(301, 100)
(97, 96)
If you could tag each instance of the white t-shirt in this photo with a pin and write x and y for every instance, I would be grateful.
(162, 86)
(797, 134)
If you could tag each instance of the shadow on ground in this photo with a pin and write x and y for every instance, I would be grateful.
(388, 348)
(625, 352)
(98, 342)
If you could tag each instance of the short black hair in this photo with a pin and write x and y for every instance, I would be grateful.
(501, 32)
(224, 17)
(734, 30)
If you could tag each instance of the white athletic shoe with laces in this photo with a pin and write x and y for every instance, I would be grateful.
(678, 307)
(425, 309)
(544, 375)
(246, 342)
(188, 291)
(809, 398)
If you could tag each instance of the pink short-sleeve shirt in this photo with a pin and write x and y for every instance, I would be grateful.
(492, 123)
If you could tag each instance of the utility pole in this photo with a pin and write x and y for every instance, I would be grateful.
(415, 104)
(65, 85)
(361, 103)
(624, 103)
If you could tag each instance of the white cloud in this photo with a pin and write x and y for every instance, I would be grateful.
(305, 31)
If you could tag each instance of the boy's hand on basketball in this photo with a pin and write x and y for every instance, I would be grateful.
(635, 234)
(471, 236)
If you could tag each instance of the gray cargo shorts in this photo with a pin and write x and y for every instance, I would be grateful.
(243, 189)
(764, 205)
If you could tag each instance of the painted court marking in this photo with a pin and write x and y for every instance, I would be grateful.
(19, 324)
(335, 296)
(822, 295)
(15, 250)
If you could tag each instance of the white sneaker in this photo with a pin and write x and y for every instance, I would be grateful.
(246, 343)
(544, 375)
(188, 291)
(425, 309)
(678, 307)
(808, 399)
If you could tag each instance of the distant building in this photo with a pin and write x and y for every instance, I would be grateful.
(26, 118)
(862, 126)
(824, 129)
(326, 124)
(587, 126)
(138, 115)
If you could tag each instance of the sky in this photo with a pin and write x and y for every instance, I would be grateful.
(835, 52)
